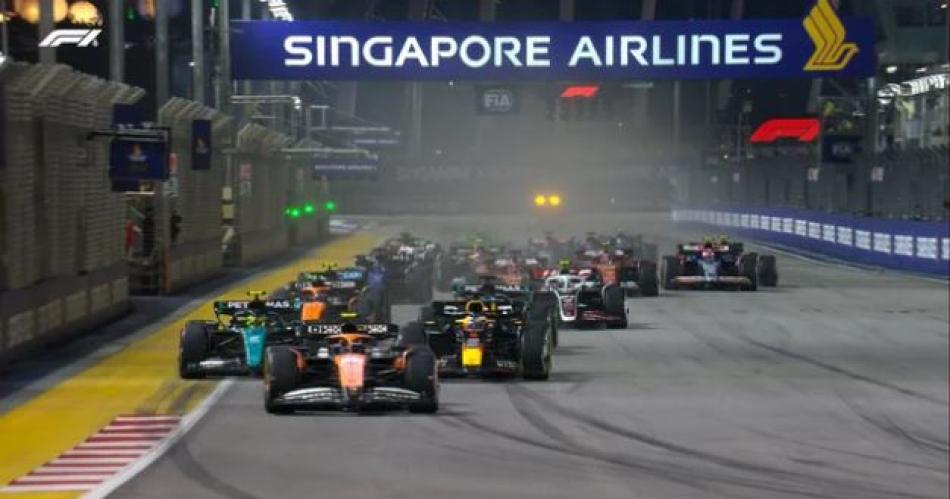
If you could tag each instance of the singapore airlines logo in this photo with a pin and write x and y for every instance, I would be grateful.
(824, 28)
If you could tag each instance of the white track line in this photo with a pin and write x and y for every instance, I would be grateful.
(187, 422)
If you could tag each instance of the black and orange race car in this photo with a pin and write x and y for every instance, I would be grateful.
(333, 295)
(352, 367)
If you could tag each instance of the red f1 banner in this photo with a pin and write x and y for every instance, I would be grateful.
(803, 129)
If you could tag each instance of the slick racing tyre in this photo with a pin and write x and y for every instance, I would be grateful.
(768, 271)
(421, 377)
(671, 270)
(192, 348)
(649, 282)
(544, 308)
(413, 334)
(748, 267)
(614, 305)
(536, 352)
(280, 377)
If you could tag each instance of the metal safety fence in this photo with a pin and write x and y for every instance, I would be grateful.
(898, 184)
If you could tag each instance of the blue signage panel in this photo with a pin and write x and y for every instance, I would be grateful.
(201, 145)
(129, 115)
(814, 47)
(840, 148)
(137, 159)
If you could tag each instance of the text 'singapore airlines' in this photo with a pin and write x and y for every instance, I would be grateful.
(475, 51)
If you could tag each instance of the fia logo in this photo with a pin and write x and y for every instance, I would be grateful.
(76, 37)
(498, 100)
(826, 31)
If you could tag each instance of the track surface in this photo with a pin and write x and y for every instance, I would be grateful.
(835, 385)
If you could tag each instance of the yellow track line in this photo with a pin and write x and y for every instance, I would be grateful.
(142, 378)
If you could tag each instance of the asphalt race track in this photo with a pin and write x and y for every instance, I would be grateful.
(834, 384)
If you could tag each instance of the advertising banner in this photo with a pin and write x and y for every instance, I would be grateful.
(822, 45)
(138, 159)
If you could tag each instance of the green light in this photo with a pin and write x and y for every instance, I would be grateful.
(295, 212)
(308, 209)
(330, 206)
(130, 14)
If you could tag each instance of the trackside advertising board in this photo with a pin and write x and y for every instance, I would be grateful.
(818, 46)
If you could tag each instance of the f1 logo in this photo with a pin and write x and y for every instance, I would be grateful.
(76, 37)
(804, 129)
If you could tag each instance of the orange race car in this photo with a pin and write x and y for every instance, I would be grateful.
(351, 367)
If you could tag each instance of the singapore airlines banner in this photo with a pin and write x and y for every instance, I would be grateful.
(820, 45)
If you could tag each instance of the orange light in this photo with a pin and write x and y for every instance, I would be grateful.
(29, 10)
(84, 13)
(554, 200)
(540, 200)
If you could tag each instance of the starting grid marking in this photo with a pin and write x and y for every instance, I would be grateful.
(100, 457)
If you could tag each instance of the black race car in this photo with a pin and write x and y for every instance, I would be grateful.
(718, 264)
(487, 335)
(352, 367)
(234, 343)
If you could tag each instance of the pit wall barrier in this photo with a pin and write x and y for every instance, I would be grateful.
(62, 265)
(922, 247)
(260, 183)
(194, 255)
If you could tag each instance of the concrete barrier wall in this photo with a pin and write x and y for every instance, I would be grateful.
(260, 181)
(61, 232)
(902, 245)
(194, 195)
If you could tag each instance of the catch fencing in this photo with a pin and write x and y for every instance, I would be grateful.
(911, 183)
(903, 245)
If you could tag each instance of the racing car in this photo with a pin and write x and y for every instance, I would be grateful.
(408, 268)
(234, 343)
(352, 367)
(333, 294)
(718, 264)
(585, 301)
(487, 335)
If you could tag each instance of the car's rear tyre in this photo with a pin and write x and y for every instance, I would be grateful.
(649, 282)
(544, 308)
(422, 377)
(768, 271)
(614, 300)
(748, 267)
(280, 376)
(413, 334)
(426, 314)
(192, 349)
(536, 352)
(671, 270)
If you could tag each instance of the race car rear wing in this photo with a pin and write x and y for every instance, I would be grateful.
(325, 329)
(460, 308)
(229, 307)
